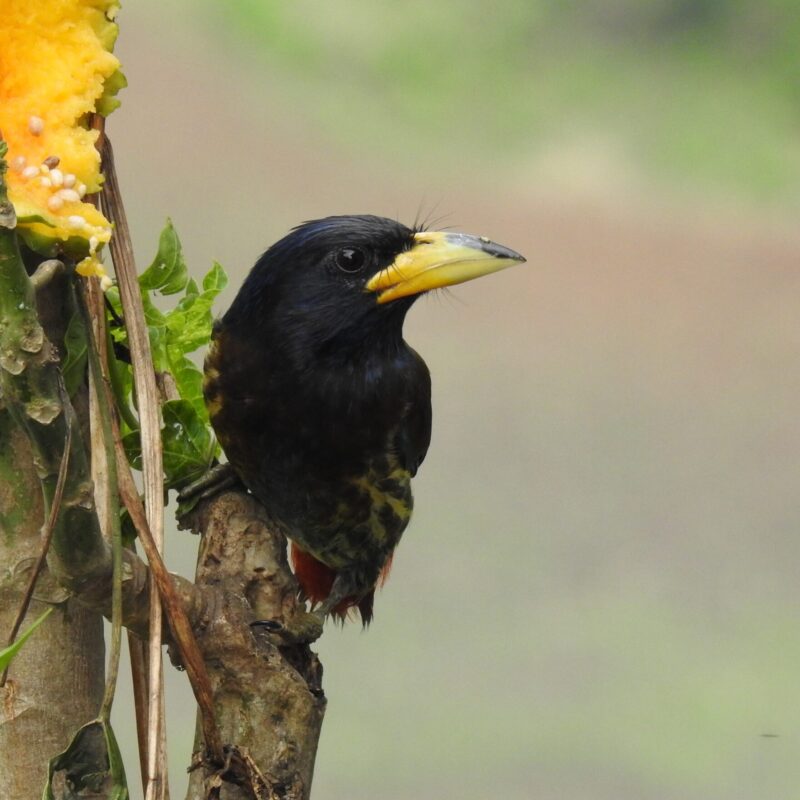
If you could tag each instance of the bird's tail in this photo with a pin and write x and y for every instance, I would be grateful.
(316, 580)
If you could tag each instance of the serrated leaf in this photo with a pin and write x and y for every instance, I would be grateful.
(74, 367)
(191, 321)
(191, 329)
(167, 273)
(91, 766)
(7, 655)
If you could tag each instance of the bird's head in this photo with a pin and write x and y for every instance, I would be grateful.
(347, 281)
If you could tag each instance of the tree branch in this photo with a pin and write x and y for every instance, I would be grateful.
(268, 696)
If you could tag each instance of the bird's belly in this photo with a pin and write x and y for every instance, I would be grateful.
(334, 484)
(352, 521)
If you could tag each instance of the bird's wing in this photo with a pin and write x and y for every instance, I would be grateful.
(414, 435)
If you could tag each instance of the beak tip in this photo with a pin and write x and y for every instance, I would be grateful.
(500, 251)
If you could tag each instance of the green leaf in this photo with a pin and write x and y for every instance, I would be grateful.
(153, 316)
(121, 375)
(7, 655)
(118, 332)
(159, 343)
(191, 321)
(132, 444)
(189, 380)
(215, 280)
(191, 288)
(167, 273)
(188, 330)
(74, 366)
(127, 528)
(91, 766)
(188, 444)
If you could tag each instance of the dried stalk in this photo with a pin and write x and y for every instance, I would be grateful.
(102, 411)
(152, 468)
(180, 625)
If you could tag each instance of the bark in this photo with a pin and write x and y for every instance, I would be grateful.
(268, 695)
(55, 684)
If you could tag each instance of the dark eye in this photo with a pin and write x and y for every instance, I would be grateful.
(350, 259)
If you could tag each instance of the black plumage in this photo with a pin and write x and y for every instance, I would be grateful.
(322, 408)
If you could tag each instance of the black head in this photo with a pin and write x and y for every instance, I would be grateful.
(347, 282)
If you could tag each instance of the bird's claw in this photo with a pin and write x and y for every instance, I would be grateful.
(270, 625)
(302, 627)
(216, 480)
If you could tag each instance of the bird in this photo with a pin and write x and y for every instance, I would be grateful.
(322, 408)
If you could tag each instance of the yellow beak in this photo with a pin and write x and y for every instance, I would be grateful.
(440, 259)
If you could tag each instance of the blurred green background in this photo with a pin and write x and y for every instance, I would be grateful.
(598, 596)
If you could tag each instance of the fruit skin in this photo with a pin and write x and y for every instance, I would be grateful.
(56, 69)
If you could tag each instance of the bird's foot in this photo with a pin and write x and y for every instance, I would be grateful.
(303, 627)
(216, 480)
